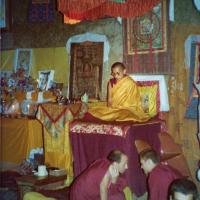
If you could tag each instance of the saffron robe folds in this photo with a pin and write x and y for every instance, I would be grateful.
(126, 103)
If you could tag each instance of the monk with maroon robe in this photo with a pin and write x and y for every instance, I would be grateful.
(101, 181)
(160, 176)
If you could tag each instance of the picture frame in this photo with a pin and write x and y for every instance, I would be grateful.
(5, 15)
(45, 79)
(23, 59)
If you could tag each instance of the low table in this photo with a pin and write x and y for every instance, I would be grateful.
(30, 183)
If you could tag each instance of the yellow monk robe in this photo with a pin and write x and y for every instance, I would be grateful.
(126, 103)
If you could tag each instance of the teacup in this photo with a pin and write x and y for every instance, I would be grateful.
(42, 171)
(84, 98)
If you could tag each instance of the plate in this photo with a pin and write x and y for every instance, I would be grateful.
(36, 174)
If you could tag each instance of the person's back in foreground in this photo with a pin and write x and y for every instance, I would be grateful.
(101, 181)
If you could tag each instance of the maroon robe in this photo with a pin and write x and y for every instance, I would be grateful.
(87, 185)
(159, 180)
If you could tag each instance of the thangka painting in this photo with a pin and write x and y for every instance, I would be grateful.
(194, 77)
(4, 15)
(148, 32)
(23, 59)
(86, 69)
(41, 10)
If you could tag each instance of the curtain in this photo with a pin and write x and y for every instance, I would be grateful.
(94, 9)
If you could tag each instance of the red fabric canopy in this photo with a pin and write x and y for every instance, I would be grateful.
(95, 9)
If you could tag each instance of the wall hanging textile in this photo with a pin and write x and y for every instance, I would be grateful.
(55, 119)
(147, 47)
(194, 77)
(90, 10)
(41, 11)
(147, 32)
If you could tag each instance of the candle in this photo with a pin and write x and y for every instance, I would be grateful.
(37, 83)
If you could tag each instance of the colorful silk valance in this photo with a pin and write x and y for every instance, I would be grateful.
(95, 9)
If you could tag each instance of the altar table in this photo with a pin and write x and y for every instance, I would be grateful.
(90, 146)
(17, 137)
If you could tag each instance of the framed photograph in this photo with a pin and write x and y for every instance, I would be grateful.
(45, 79)
(4, 15)
(23, 59)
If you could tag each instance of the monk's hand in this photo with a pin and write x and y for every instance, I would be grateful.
(109, 104)
(114, 173)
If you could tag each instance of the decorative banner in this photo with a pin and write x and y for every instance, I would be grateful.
(192, 111)
(4, 15)
(197, 64)
(148, 32)
(41, 11)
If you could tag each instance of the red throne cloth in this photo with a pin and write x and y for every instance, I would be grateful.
(90, 146)
(7, 179)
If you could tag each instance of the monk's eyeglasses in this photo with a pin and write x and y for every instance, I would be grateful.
(114, 74)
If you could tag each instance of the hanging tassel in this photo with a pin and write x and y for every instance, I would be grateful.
(150, 47)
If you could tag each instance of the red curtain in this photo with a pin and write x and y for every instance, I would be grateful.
(95, 9)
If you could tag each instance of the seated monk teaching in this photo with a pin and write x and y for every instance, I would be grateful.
(101, 181)
(124, 101)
